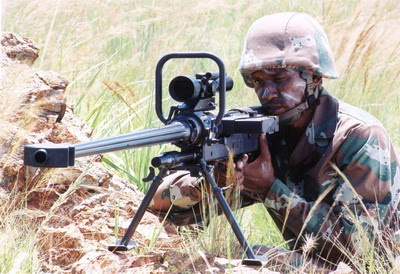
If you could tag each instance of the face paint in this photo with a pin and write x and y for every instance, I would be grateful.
(279, 90)
(289, 97)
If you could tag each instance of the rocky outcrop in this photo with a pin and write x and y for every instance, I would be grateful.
(77, 211)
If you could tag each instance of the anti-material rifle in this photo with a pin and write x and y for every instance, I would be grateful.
(202, 136)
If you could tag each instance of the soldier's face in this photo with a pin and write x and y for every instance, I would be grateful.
(279, 90)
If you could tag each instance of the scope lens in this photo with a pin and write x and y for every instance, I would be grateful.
(184, 88)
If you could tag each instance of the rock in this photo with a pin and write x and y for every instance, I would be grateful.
(342, 268)
(63, 257)
(146, 259)
(60, 237)
(77, 210)
(18, 48)
(97, 262)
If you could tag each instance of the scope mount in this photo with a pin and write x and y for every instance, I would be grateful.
(181, 55)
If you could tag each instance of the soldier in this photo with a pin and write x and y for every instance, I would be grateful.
(331, 171)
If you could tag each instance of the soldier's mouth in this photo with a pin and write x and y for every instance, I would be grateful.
(274, 109)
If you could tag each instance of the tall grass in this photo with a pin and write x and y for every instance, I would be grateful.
(109, 49)
(18, 253)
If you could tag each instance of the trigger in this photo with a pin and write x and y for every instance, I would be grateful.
(151, 175)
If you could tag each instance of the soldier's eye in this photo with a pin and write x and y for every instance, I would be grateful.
(256, 82)
(280, 79)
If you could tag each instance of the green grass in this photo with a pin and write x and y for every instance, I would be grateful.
(108, 51)
(18, 253)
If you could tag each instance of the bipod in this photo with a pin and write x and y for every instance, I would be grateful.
(126, 243)
(251, 258)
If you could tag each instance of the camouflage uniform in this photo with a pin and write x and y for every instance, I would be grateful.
(342, 178)
(339, 135)
(356, 143)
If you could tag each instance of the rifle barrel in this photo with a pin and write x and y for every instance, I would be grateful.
(176, 131)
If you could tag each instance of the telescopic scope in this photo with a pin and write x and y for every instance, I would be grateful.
(188, 88)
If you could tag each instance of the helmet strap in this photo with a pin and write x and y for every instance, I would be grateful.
(312, 88)
(311, 94)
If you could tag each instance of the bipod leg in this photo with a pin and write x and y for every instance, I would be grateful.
(125, 243)
(251, 258)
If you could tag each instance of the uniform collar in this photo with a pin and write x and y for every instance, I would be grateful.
(319, 131)
(325, 116)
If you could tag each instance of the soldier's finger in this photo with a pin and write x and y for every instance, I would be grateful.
(238, 165)
(242, 161)
(264, 150)
(240, 179)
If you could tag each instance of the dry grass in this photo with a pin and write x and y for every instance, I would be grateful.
(108, 51)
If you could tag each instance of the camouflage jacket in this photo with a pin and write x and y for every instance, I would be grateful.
(340, 183)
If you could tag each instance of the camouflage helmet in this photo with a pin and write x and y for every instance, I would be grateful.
(289, 39)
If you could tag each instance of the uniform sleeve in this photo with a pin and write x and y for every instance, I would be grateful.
(371, 175)
(184, 191)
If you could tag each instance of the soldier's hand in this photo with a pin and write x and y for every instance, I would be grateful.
(258, 176)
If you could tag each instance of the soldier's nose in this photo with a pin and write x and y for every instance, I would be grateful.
(269, 93)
